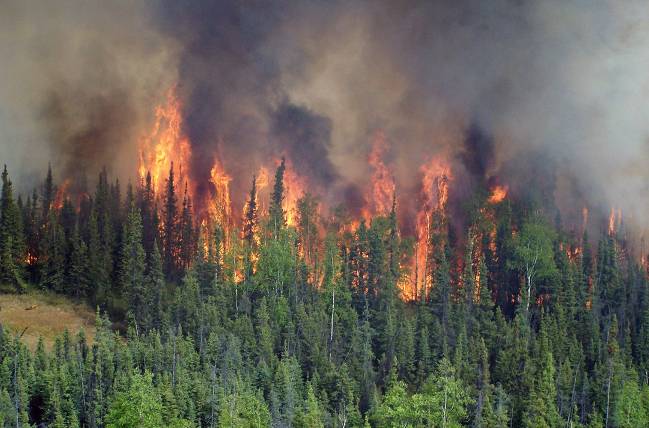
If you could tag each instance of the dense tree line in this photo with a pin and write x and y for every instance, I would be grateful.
(518, 323)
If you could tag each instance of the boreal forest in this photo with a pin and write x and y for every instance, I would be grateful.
(310, 322)
(324, 213)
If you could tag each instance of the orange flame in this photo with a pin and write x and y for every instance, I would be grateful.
(574, 253)
(220, 209)
(383, 184)
(614, 221)
(498, 194)
(434, 195)
(262, 178)
(294, 189)
(165, 144)
(30, 259)
(61, 194)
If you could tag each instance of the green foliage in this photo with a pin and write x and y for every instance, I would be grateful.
(243, 409)
(303, 325)
(442, 402)
(533, 255)
(138, 406)
(630, 407)
(132, 267)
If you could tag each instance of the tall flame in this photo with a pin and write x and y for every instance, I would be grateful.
(61, 194)
(383, 185)
(220, 209)
(262, 183)
(434, 197)
(165, 144)
(614, 220)
(294, 186)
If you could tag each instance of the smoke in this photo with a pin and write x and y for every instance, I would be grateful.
(550, 94)
(305, 136)
(77, 83)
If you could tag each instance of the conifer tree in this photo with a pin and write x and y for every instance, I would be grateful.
(440, 294)
(146, 200)
(154, 284)
(308, 228)
(250, 229)
(52, 260)
(186, 244)
(132, 268)
(541, 409)
(250, 221)
(311, 416)
(78, 277)
(48, 194)
(97, 274)
(170, 227)
(276, 214)
(630, 407)
(12, 249)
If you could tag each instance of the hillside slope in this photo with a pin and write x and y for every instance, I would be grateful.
(45, 315)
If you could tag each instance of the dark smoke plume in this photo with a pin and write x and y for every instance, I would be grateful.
(306, 137)
(558, 87)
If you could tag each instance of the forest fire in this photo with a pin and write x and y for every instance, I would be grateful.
(262, 178)
(614, 221)
(498, 194)
(294, 189)
(324, 213)
(382, 181)
(574, 253)
(61, 194)
(434, 197)
(165, 145)
(220, 208)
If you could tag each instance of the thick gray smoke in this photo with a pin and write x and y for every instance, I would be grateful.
(77, 84)
(558, 88)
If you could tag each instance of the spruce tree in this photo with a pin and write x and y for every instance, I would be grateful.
(132, 268)
(541, 409)
(12, 249)
(170, 228)
(276, 214)
(48, 194)
(154, 284)
(78, 275)
(97, 274)
(186, 226)
(52, 260)
(250, 229)
(146, 199)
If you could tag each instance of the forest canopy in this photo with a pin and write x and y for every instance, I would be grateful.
(511, 320)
